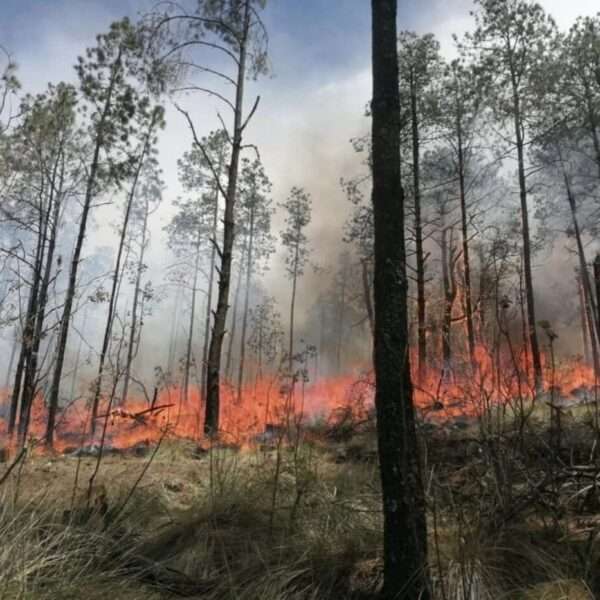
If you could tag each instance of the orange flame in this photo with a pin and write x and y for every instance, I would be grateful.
(443, 393)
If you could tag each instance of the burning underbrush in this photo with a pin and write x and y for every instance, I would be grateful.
(286, 504)
(266, 407)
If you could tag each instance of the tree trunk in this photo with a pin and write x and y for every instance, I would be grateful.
(293, 315)
(29, 326)
(593, 122)
(594, 318)
(78, 355)
(51, 227)
(11, 362)
(449, 284)
(367, 295)
(597, 286)
(465, 242)
(533, 338)
(405, 533)
(65, 320)
(133, 331)
(250, 257)
(211, 421)
(584, 321)
(341, 321)
(112, 303)
(188, 350)
(211, 282)
(587, 299)
(234, 317)
(419, 251)
(174, 331)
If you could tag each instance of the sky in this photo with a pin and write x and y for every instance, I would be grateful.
(312, 103)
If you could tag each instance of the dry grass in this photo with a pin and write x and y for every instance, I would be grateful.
(298, 524)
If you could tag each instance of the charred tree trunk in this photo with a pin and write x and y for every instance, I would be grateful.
(405, 533)
(211, 421)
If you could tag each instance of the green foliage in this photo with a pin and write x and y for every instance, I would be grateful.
(255, 211)
(512, 43)
(298, 208)
(192, 223)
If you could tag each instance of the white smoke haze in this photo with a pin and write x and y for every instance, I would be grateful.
(307, 116)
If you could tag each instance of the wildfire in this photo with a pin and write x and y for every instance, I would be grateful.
(442, 394)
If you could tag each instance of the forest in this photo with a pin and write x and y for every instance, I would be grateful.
(218, 382)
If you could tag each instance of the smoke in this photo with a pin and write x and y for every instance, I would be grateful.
(309, 111)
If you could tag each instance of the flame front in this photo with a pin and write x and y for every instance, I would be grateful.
(495, 378)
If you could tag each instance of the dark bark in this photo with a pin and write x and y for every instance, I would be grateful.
(405, 534)
(529, 295)
(114, 292)
(65, 321)
(419, 250)
(464, 218)
(211, 421)
(211, 282)
(16, 405)
(50, 237)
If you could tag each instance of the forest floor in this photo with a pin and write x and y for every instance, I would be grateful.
(513, 510)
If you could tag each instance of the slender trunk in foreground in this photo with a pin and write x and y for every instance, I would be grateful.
(213, 399)
(405, 530)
